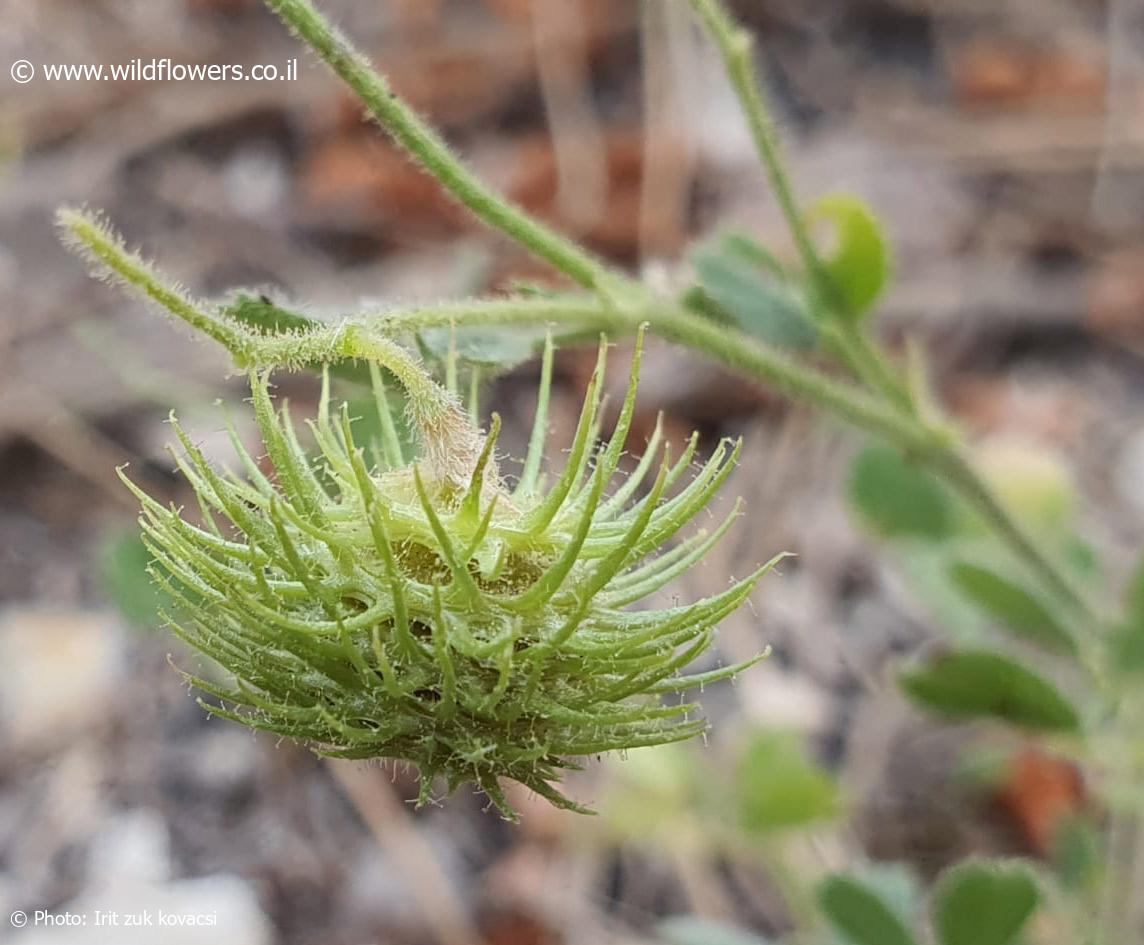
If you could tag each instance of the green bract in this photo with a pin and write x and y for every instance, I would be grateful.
(375, 607)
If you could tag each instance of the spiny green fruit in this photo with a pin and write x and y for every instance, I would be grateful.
(374, 607)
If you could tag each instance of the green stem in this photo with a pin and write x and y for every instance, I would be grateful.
(866, 360)
(744, 354)
(95, 240)
(796, 379)
(452, 443)
(438, 418)
(431, 152)
(872, 366)
(735, 47)
(956, 470)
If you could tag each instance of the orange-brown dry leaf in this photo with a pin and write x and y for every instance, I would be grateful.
(418, 15)
(533, 183)
(1006, 72)
(1116, 296)
(1041, 792)
(457, 83)
(366, 174)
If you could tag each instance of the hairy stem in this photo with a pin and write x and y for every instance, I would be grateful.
(431, 152)
(866, 360)
(93, 239)
(956, 470)
(452, 443)
(437, 415)
(736, 49)
(746, 355)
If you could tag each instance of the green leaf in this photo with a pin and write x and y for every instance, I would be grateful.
(692, 930)
(1126, 648)
(1012, 606)
(123, 564)
(744, 284)
(1126, 644)
(263, 314)
(896, 498)
(1076, 855)
(859, 268)
(985, 684)
(500, 349)
(895, 884)
(1134, 599)
(984, 903)
(655, 792)
(741, 246)
(860, 915)
(1082, 558)
(779, 787)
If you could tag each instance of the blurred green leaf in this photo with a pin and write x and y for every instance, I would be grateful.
(657, 792)
(1082, 558)
(1134, 598)
(1032, 481)
(1076, 854)
(860, 915)
(498, 349)
(745, 284)
(779, 787)
(984, 903)
(123, 567)
(741, 246)
(1126, 648)
(1126, 645)
(985, 684)
(692, 930)
(1012, 606)
(859, 268)
(894, 884)
(897, 498)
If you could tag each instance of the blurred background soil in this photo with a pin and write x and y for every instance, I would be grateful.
(1003, 142)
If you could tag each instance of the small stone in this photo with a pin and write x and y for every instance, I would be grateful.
(62, 673)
